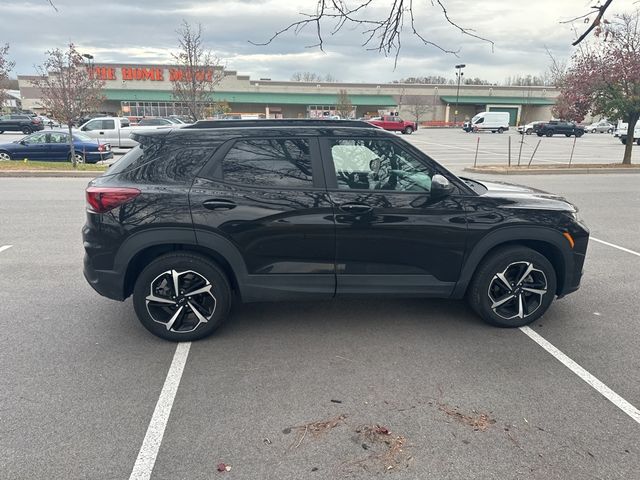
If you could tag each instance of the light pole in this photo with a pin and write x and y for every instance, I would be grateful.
(459, 74)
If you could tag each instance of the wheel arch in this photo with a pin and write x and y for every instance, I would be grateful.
(148, 254)
(547, 242)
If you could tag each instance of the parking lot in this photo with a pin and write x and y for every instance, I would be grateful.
(87, 393)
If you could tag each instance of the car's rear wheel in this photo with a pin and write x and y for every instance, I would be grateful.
(539, 134)
(26, 130)
(4, 156)
(549, 133)
(79, 157)
(593, 131)
(610, 130)
(567, 135)
(529, 131)
(579, 133)
(501, 130)
(408, 130)
(624, 141)
(512, 287)
(1, 132)
(182, 297)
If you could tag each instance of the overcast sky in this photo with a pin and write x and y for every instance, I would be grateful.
(143, 31)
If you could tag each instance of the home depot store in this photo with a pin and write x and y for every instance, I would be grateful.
(146, 90)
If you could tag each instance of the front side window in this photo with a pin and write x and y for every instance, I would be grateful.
(36, 139)
(282, 163)
(374, 164)
(93, 125)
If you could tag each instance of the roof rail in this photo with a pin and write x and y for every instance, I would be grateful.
(280, 122)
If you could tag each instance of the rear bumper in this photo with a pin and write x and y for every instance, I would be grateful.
(107, 283)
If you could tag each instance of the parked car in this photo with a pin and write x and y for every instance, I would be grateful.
(49, 122)
(20, 123)
(54, 145)
(488, 121)
(555, 127)
(155, 122)
(600, 127)
(621, 127)
(113, 130)
(636, 135)
(198, 216)
(529, 128)
(394, 124)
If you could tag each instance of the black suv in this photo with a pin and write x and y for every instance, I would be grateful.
(20, 123)
(555, 127)
(293, 209)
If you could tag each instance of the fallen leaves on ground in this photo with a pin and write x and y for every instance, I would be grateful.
(315, 429)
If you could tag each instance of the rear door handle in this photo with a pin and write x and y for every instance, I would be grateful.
(358, 208)
(218, 204)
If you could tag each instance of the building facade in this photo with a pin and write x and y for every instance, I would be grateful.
(146, 91)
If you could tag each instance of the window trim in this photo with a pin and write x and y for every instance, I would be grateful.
(213, 170)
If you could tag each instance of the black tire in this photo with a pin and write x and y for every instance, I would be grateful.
(196, 272)
(549, 133)
(593, 131)
(529, 131)
(5, 155)
(512, 263)
(80, 158)
(624, 141)
(408, 130)
(539, 134)
(638, 141)
(567, 135)
(1, 132)
(26, 130)
(608, 131)
(501, 130)
(579, 133)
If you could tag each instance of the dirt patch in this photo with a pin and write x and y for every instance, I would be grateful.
(313, 429)
(388, 451)
(479, 421)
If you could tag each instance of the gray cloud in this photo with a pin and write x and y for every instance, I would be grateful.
(144, 32)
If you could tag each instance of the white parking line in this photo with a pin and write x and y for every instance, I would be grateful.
(152, 440)
(615, 246)
(5, 247)
(600, 387)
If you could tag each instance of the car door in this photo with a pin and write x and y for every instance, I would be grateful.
(392, 234)
(59, 146)
(35, 147)
(264, 198)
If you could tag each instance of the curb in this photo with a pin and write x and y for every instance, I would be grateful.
(552, 171)
(48, 173)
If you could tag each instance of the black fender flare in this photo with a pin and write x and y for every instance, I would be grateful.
(511, 235)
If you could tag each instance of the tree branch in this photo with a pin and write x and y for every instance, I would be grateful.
(601, 9)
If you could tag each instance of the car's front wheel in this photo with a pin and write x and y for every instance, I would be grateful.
(579, 133)
(593, 131)
(182, 297)
(529, 131)
(549, 133)
(408, 130)
(512, 287)
(26, 130)
(4, 156)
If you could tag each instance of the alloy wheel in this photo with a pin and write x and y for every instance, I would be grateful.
(181, 301)
(517, 291)
(4, 156)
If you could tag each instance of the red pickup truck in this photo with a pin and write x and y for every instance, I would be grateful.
(393, 123)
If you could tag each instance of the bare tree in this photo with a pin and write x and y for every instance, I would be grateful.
(382, 31)
(198, 71)
(344, 107)
(5, 67)
(417, 106)
(69, 89)
(312, 77)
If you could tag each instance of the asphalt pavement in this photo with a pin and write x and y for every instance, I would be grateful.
(80, 378)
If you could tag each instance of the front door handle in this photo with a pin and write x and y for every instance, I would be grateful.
(356, 208)
(218, 204)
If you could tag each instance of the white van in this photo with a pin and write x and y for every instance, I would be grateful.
(491, 121)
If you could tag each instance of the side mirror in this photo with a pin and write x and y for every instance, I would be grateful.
(440, 186)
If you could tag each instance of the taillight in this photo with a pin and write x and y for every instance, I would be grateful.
(103, 199)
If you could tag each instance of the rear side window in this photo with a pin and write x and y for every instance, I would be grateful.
(280, 163)
(155, 162)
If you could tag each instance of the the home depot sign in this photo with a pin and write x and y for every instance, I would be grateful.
(151, 74)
